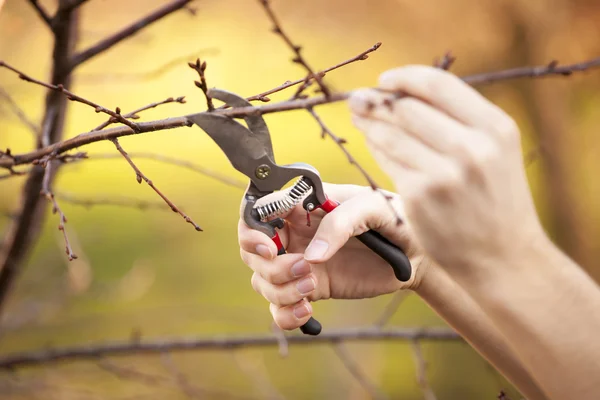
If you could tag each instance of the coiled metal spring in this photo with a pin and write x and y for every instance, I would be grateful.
(291, 199)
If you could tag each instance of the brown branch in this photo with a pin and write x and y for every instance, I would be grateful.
(109, 201)
(354, 369)
(134, 114)
(41, 12)
(200, 68)
(299, 59)
(126, 32)
(360, 57)
(93, 351)
(237, 112)
(140, 176)
(445, 62)
(421, 366)
(180, 163)
(73, 97)
(73, 4)
(33, 127)
(47, 192)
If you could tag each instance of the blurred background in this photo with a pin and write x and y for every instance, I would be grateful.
(146, 272)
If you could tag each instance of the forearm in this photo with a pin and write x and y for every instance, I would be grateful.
(456, 307)
(549, 311)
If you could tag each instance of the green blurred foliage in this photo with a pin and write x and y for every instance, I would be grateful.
(148, 271)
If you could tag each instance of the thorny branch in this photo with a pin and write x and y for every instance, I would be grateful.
(139, 176)
(94, 351)
(127, 32)
(299, 59)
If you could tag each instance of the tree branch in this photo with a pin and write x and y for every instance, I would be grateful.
(41, 12)
(140, 176)
(421, 366)
(299, 59)
(109, 201)
(126, 32)
(93, 351)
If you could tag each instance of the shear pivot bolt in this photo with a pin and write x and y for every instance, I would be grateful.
(262, 171)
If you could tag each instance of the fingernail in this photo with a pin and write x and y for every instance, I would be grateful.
(300, 268)
(264, 251)
(315, 250)
(305, 286)
(302, 310)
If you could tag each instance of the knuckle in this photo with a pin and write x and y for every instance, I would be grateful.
(507, 129)
(451, 178)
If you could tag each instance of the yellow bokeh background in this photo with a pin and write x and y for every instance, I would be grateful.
(148, 271)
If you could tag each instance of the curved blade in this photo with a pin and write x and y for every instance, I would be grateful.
(256, 123)
(242, 148)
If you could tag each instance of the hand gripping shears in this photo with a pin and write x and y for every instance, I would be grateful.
(250, 151)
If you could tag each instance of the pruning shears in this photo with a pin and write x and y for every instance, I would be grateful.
(250, 151)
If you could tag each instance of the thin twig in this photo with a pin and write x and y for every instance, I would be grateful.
(55, 208)
(360, 57)
(200, 68)
(421, 366)
(41, 12)
(134, 114)
(281, 340)
(299, 59)
(73, 4)
(33, 127)
(175, 122)
(127, 32)
(180, 163)
(354, 369)
(93, 351)
(445, 62)
(139, 176)
(73, 97)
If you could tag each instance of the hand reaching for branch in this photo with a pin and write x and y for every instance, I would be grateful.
(324, 260)
(456, 160)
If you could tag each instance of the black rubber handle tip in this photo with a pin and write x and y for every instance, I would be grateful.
(311, 327)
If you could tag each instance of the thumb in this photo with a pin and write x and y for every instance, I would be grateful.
(353, 217)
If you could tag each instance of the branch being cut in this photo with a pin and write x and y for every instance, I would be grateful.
(73, 97)
(128, 31)
(94, 351)
(175, 122)
(299, 59)
(140, 176)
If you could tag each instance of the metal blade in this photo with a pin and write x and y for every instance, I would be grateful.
(243, 149)
(256, 123)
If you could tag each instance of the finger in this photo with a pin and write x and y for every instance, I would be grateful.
(283, 269)
(255, 242)
(406, 181)
(400, 146)
(291, 317)
(431, 127)
(449, 93)
(369, 210)
(287, 293)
